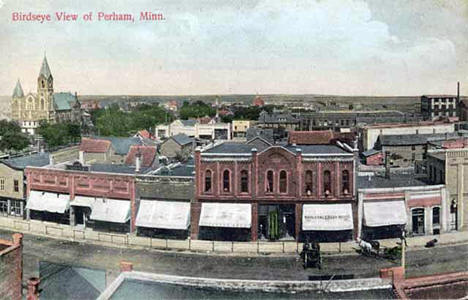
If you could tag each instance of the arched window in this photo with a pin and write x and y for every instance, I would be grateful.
(244, 181)
(269, 183)
(308, 182)
(43, 84)
(226, 181)
(283, 181)
(42, 103)
(326, 182)
(345, 182)
(208, 181)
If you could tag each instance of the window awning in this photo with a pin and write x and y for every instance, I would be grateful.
(327, 217)
(51, 202)
(163, 214)
(384, 213)
(84, 201)
(231, 215)
(111, 210)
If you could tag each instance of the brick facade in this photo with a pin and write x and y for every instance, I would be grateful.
(115, 186)
(11, 268)
(289, 190)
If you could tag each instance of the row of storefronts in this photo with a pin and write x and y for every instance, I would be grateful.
(234, 221)
(239, 193)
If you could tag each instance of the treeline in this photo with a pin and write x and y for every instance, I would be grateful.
(59, 134)
(11, 137)
(113, 121)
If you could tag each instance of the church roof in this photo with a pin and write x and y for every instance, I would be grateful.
(64, 101)
(45, 70)
(18, 91)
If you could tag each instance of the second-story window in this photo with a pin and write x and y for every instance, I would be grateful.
(226, 181)
(326, 183)
(283, 182)
(345, 182)
(244, 181)
(208, 181)
(308, 182)
(16, 185)
(269, 183)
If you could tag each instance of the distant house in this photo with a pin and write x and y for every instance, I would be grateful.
(144, 134)
(373, 157)
(259, 143)
(258, 101)
(200, 129)
(266, 134)
(179, 144)
(109, 149)
(239, 127)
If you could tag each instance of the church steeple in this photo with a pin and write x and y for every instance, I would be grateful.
(18, 91)
(45, 70)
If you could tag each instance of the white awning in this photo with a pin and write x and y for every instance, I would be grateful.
(226, 215)
(51, 202)
(327, 217)
(384, 213)
(163, 214)
(111, 210)
(84, 201)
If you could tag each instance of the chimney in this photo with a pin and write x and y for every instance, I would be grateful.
(138, 162)
(126, 266)
(33, 289)
(18, 238)
(81, 157)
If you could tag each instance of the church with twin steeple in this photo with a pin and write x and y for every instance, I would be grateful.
(28, 110)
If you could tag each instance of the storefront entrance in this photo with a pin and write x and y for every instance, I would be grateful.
(81, 215)
(276, 222)
(453, 216)
(418, 221)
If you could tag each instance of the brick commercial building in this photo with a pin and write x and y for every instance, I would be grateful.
(11, 268)
(101, 200)
(388, 205)
(282, 192)
(447, 162)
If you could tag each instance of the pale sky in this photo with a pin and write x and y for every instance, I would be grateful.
(369, 47)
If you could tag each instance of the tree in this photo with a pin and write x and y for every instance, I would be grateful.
(197, 109)
(11, 137)
(114, 122)
(59, 134)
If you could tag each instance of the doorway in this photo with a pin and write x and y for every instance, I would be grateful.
(453, 216)
(276, 222)
(418, 221)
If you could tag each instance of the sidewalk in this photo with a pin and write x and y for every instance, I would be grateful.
(248, 249)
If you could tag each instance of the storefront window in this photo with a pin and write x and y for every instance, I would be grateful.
(16, 209)
(308, 182)
(436, 220)
(226, 181)
(208, 181)
(244, 181)
(4, 207)
(283, 181)
(418, 220)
